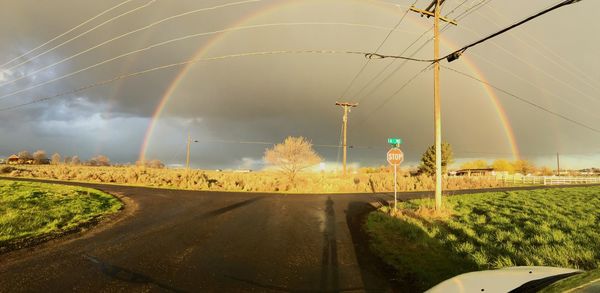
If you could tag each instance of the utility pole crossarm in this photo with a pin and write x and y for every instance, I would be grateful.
(346, 104)
(432, 14)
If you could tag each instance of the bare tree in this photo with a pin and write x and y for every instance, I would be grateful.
(39, 156)
(24, 156)
(75, 160)
(156, 164)
(292, 156)
(55, 159)
(100, 160)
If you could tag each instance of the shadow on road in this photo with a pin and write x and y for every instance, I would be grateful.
(228, 208)
(329, 261)
(126, 275)
(375, 275)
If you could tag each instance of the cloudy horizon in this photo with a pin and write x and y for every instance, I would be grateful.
(550, 61)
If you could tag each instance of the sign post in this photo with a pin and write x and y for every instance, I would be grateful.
(395, 158)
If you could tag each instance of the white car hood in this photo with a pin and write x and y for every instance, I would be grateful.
(502, 280)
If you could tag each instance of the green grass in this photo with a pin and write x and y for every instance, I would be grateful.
(580, 280)
(30, 210)
(547, 227)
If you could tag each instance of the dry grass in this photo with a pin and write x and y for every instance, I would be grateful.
(263, 181)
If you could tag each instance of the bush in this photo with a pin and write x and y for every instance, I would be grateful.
(6, 169)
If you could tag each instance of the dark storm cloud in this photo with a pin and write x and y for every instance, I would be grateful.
(269, 97)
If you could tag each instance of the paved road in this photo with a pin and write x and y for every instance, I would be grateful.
(188, 241)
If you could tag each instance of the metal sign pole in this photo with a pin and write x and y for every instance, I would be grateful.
(395, 188)
(395, 158)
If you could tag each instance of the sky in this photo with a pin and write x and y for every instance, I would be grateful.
(226, 103)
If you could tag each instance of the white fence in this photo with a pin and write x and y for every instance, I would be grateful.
(549, 180)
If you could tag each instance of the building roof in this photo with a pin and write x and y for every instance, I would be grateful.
(476, 170)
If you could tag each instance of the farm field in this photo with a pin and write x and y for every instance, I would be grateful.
(30, 211)
(263, 181)
(546, 227)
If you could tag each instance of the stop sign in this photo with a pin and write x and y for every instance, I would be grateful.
(395, 156)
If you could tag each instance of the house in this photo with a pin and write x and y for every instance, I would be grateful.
(476, 172)
(12, 160)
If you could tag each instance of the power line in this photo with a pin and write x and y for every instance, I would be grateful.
(386, 67)
(456, 54)
(409, 81)
(163, 43)
(572, 69)
(471, 9)
(460, 16)
(473, 44)
(66, 32)
(525, 100)
(544, 90)
(546, 73)
(123, 35)
(79, 35)
(273, 143)
(173, 65)
(366, 63)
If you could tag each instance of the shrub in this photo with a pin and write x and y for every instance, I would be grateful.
(263, 181)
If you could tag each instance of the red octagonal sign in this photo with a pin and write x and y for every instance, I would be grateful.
(395, 156)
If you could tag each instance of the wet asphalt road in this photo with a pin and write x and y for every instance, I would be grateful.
(191, 241)
(188, 241)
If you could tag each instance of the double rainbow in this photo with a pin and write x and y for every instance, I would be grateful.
(205, 48)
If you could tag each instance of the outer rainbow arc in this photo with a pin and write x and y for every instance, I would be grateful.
(266, 10)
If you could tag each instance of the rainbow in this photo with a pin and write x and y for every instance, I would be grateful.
(272, 8)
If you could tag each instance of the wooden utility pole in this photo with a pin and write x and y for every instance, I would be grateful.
(557, 164)
(187, 156)
(434, 10)
(347, 106)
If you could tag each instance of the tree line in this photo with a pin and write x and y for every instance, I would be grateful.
(41, 157)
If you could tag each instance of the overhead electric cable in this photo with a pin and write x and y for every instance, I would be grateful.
(177, 40)
(366, 63)
(454, 55)
(460, 16)
(409, 81)
(543, 90)
(66, 32)
(524, 100)
(79, 35)
(178, 64)
(129, 33)
(387, 66)
(580, 75)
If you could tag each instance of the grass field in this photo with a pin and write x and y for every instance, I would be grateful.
(586, 278)
(547, 227)
(29, 211)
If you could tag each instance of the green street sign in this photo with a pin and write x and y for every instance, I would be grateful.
(395, 141)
